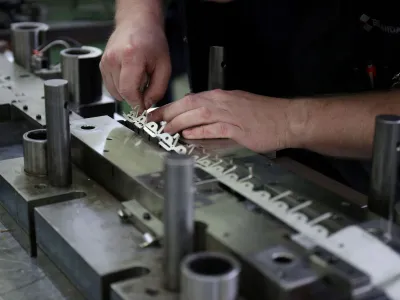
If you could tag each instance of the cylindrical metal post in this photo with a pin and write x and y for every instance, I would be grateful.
(216, 68)
(58, 133)
(178, 216)
(209, 276)
(34, 144)
(25, 37)
(384, 165)
(80, 66)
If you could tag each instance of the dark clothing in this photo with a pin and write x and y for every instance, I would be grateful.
(291, 48)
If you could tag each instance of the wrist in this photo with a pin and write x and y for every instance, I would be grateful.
(131, 14)
(299, 115)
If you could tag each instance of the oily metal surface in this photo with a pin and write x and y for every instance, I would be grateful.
(21, 193)
(87, 241)
(22, 277)
(146, 287)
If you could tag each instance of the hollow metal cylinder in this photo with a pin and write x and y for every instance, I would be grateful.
(58, 133)
(382, 195)
(35, 156)
(216, 68)
(25, 37)
(178, 216)
(209, 276)
(80, 66)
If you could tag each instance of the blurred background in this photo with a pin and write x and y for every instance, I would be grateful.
(90, 22)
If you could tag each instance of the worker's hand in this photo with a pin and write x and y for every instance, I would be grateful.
(256, 122)
(136, 49)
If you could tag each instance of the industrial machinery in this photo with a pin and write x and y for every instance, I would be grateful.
(125, 211)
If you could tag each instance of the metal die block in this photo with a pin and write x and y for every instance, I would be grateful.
(87, 241)
(21, 193)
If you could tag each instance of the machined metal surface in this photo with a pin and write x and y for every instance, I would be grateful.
(88, 242)
(80, 66)
(211, 276)
(20, 277)
(382, 196)
(26, 37)
(35, 152)
(216, 68)
(178, 215)
(59, 161)
(273, 222)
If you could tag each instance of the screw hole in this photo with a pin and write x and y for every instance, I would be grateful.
(40, 186)
(105, 150)
(109, 139)
(88, 127)
(282, 258)
(151, 292)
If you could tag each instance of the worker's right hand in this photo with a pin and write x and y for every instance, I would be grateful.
(137, 49)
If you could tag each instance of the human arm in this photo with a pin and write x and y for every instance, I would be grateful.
(137, 48)
(338, 126)
(341, 125)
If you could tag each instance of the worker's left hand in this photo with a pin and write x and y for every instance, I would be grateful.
(256, 122)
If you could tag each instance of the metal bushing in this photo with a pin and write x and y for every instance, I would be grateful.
(209, 276)
(35, 157)
(25, 37)
(80, 67)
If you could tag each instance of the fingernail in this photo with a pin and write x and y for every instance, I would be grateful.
(149, 117)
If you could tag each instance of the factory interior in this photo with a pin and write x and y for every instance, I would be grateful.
(98, 202)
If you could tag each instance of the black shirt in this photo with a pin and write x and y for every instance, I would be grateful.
(290, 48)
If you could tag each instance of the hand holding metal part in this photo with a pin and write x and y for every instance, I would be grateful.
(256, 122)
(137, 52)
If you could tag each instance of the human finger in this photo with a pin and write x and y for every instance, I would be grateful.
(213, 131)
(196, 117)
(170, 111)
(133, 73)
(108, 81)
(158, 84)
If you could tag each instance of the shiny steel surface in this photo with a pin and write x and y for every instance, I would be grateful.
(35, 152)
(178, 215)
(216, 68)
(79, 229)
(382, 196)
(59, 162)
(80, 67)
(210, 276)
(25, 37)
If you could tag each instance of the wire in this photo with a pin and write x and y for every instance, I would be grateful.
(54, 43)
(67, 42)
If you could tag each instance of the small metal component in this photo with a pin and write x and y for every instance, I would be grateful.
(34, 144)
(25, 107)
(58, 133)
(38, 117)
(80, 66)
(26, 37)
(148, 240)
(250, 176)
(123, 215)
(384, 165)
(178, 216)
(209, 276)
(216, 68)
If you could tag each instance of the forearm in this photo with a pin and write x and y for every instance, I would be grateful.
(341, 126)
(128, 10)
